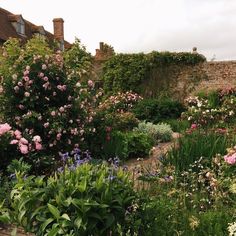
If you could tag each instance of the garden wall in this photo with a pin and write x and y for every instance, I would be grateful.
(183, 80)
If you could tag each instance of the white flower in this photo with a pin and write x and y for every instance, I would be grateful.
(232, 229)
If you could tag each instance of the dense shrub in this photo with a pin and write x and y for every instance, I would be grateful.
(160, 132)
(124, 72)
(127, 145)
(43, 98)
(214, 109)
(91, 200)
(157, 110)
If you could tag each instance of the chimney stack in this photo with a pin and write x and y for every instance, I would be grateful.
(58, 25)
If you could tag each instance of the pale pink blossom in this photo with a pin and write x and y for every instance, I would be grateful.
(37, 139)
(20, 84)
(16, 88)
(23, 141)
(45, 78)
(14, 141)
(41, 74)
(61, 109)
(46, 125)
(230, 159)
(27, 94)
(90, 83)
(44, 67)
(23, 149)
(58, 136)
(4, 128)
(26, 72)
(17, 134)
(53, 113)
(27, 68)
(21, 106)
(38, 146)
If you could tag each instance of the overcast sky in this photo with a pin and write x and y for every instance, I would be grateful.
(140, 25)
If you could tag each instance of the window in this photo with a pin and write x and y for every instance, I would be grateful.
(20, 28)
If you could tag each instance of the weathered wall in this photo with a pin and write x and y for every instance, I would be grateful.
(185, 80)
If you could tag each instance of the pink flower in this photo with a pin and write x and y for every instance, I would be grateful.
(26, 72)
(14, 141)
(21, 106)
(58, 136)
(38, 146)
(30, 82)
(61, 109)
(90, 83)
(4, 128)
(26, 78)
(41, 75)
(193, 126)
(37, 139)
(17, 134)
(23, 149)
(44, 67)
(23, 141)
(46, 125)
(230, 159)
(20, 84)
(45, 78)
(54, 94)
(53, 113)
(16, 88)
(27, 68)
(27, 94)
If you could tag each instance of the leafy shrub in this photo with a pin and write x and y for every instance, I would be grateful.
(178, 125)
(91, 200)
(121, 121)
(196, 144)
(157, 110)
(216, 108)
(161, 132)
(127, 145)
(124, 72)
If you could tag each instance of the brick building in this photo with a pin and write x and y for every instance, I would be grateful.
(15, 26)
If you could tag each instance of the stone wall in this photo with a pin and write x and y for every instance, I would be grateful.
(183, 80)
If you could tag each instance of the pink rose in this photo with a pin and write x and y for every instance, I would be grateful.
(27, 94)
(38, 146)
(37, 139)
(20, 84)
(53, 113)
(58, 136)
(26, 72)
(17, 134)
(23, 149)
(41, 75)
(23, 141)
(61, 109)
(26, 78)
(90, 83)
(193, 126)
(4, 128)
(46, 125)
(45, 78)
(14, 141)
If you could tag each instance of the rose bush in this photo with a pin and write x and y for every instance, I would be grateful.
(42, 96)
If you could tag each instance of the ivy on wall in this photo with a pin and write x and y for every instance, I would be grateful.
(124, 72)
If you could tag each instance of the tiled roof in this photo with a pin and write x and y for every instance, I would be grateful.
(7, 30)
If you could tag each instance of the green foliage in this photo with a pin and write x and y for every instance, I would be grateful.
(124, 72)
(127, 145)
(158, 110)
(160, 132)
(90, 200)
(178, 125)
(77, 60)
(194, 145)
